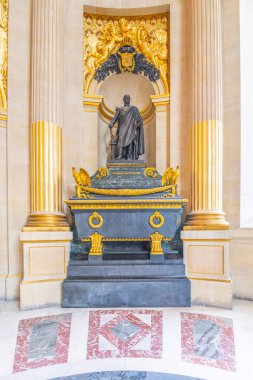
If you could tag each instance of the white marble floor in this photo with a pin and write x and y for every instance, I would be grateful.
(198, 342)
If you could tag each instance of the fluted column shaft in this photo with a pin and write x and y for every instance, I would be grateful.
(206, 134)
(46, 116)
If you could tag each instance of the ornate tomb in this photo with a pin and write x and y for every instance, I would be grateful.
(127, 249)
(127, 220)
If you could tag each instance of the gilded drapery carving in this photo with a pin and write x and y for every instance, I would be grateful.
(3, 52)
(103, 35)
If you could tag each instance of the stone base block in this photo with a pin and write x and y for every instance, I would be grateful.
(12, 287)
(212, 293)
(207, 263)
(2, 289)
(45, 259)
(126, 293)
(40, 294)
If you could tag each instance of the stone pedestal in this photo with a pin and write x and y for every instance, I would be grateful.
(206, 258)
(45, 259)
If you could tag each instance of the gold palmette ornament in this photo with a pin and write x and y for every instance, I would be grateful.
(96, 244)
(156, 243)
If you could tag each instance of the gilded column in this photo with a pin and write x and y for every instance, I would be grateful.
(46, 117)
(206, 133)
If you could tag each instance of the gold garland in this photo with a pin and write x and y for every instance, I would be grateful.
(120, 192)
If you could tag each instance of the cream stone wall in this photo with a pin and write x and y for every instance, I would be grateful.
(17, 147)
(241, 253)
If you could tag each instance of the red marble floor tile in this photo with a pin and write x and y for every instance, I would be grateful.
(208, 340)
(42, 341)
(125, 333)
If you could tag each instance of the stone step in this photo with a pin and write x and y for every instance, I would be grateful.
(107, 270)
(153, 292)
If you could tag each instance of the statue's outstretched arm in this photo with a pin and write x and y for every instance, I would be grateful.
(115, 118)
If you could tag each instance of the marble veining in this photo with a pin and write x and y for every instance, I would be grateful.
(42, 341)
(208, 340)
(125, 333)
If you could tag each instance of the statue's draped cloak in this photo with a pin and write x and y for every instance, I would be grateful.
(130, 128)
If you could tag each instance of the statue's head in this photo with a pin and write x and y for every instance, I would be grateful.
(126, 99)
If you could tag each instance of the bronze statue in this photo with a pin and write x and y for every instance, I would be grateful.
(130, 131)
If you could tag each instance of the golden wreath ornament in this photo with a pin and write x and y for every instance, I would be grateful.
(95, 217)
(156, 216)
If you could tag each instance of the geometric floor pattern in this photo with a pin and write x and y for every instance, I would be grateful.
(42, 341)
(208, 340)
(127, 344)
(125, 333)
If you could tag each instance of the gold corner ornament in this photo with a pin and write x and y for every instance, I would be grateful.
(102, 173)
(150, 172)
(96, 244)
(156, 243)
(82, 177)
(95, 217)
(156, 216)
(170, 178)
(4, 10)
(103, 35)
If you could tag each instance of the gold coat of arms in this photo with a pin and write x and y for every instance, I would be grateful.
(127, 61)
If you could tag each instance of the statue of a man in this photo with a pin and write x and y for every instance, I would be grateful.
(130, 131)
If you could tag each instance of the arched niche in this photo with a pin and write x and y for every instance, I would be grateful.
(113, 89)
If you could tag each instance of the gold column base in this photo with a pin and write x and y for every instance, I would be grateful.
(201, 220)
(46, 222)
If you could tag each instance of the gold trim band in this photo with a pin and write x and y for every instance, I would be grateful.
(209, 279)
(85, 240)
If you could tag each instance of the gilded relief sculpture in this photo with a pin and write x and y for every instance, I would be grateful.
(3, 52)
(104, 36)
